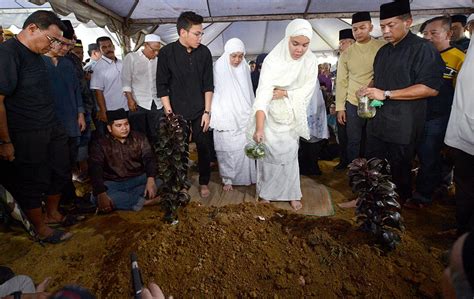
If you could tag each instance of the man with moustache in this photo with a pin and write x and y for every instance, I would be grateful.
(33, 144)
(407, 71)
(438, 31)
(184, 82)
(107, 83)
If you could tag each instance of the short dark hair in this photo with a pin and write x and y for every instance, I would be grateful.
(445, 21)
(252, 62)
(405, 16)
(187, 19)
(43, 19)
(102, 39)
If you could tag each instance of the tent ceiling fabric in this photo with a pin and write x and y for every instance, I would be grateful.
(257, 31)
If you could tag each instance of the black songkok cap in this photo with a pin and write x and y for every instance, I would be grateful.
(361, 16)
(69, 32)
(78, 43)
(116, 115)
(92, 47)
(459, 18)
(345, 33)
(468, 258)
(394, 9)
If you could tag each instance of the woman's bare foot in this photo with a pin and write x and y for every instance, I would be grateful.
(151, 202)
(348, 204)
(296, 204)
(264, 201)
(43, 285)
(227, 188)
(204, 191)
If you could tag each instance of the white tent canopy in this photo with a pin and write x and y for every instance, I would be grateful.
(259, 24)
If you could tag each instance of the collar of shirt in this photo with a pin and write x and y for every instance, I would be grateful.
(113, 139)
(405, 41)
(141, 54)
(109, 61)
(181, 46)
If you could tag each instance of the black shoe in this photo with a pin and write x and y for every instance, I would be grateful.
(341, 166)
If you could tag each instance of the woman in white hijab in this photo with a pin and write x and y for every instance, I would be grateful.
(287, 82)
(231, 107)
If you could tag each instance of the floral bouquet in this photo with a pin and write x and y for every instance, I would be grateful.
(255, 150)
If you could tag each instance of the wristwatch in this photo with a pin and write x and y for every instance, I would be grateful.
(5, 142)
(387, 94)
(207, 112)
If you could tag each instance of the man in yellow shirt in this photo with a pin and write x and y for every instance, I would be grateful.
(437, 31)
(355, 70)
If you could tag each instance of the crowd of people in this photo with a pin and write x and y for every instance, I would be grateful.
(60, 116)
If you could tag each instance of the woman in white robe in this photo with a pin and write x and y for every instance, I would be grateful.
(287, 82)
(231, 108)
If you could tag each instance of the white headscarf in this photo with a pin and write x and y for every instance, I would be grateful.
(233, 93)
(297, 77)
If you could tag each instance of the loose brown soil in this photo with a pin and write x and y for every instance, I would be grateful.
(230, 251)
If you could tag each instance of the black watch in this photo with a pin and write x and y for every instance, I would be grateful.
(5, 142)
(207, 112)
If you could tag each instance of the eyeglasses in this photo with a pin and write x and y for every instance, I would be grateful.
(197, 34)
(54, 42)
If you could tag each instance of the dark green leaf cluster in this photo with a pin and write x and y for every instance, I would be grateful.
(377, 206)
(172, 158)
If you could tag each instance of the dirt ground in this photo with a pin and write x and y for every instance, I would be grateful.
(231, 251)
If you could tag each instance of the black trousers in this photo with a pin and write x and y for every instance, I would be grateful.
(202, 140)
(464, 180)
(146, 121)
(400, 157)
(308, 156)
(342, 138)
(41, 166)
(69, 190)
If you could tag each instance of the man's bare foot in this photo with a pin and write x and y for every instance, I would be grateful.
(227, 188)
(348, 204)
(264, 201)
(43, 285)
(151, 202)
(296, 204)
(204, 191)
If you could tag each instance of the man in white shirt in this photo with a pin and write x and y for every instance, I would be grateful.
(139, 86)
(106, 81)
(460, 136)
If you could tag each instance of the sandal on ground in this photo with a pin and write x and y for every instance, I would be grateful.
(68, 220)
(57, 236)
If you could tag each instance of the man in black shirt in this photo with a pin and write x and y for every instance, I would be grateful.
(407, 71)
(184, 81)
(33, 144)
(458, 28)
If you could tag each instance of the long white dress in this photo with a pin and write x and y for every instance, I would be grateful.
(231, 108)
(278, 176)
